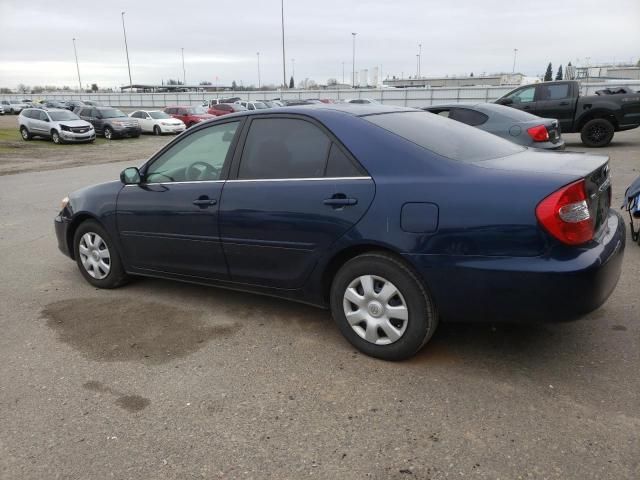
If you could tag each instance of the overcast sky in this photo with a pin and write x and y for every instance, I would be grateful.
(220, 38)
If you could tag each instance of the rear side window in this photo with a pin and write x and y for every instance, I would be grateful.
(453, 140)
(43, 116)
(339, 165)
(284, 148)
(552, 92)
(470, 117)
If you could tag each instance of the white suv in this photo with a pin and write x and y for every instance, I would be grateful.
(61, 126)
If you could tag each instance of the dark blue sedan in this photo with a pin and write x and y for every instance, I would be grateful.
(394, 218)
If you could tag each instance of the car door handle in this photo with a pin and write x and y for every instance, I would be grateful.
(564, 103)
(526, 107)
(340, 200)
(205, 202)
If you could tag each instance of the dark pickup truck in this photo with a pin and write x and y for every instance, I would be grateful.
(596, 117)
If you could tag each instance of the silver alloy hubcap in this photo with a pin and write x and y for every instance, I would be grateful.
(94, 255)
(375, 309)
(24, 133)
(107, 133)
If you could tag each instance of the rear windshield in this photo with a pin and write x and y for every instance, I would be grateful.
(509, 112)
(66, 115)
(445, 137)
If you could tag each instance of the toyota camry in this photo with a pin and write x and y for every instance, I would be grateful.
(394, 218)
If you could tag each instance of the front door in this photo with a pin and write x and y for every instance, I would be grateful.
(523, 99)
(295, 193)
(169, 223)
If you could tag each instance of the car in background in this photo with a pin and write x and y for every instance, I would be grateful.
(93, 103)
(216, 101)
(1, 110)
(253, 105)
(596, 117)
(220, 109)
(52, 104)
(394, 218)
(13, 106)
(272, 103)
(73, 104)
(362, 101)
(110, 122)
(158, 122)
(511, 124)
(60, 125)
(189, 114)
(295, 103)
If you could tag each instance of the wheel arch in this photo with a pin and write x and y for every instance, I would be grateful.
(605, 114)
(77, 220)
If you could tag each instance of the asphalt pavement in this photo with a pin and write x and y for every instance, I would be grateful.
(163, 380)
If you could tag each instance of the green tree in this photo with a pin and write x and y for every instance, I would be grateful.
(471, 74)
(548, 76)
(559, 74)
(234, 86)
(292, 83)
(94, 87)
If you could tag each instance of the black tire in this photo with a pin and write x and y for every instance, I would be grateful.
(157, 131)
(108, 133)
(25, 134)
(116, 275)
(57, 139)
(597, 133)
(422, 318)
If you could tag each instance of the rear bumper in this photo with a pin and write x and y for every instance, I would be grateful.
(563, 286)
(61, 226)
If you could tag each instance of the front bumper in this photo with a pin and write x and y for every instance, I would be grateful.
(172, 128)
(127, 131)
(564, 285)
(61, 225)
(78, 137)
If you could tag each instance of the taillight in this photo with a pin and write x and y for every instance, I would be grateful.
(565, 214)
(538, 133)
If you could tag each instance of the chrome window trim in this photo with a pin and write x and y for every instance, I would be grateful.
(174, 183)
(306, 179)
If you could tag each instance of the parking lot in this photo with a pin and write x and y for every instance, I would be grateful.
(167, 380)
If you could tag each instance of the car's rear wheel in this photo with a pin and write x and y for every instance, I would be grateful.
(55, 136)
(156, 130)
(25, 134)
(597, 133)
(97, 257)
(108, 133)
(382, 307)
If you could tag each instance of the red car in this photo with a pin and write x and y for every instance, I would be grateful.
(190, 115)
(225, 108)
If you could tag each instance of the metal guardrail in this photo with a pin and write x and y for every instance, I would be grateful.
(408, 97)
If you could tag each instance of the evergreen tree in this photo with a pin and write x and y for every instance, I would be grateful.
(292, 83)
(548, 76)
(234, 86)
(559, 74)
(471, 74)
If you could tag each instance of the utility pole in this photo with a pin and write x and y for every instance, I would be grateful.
(515, 52)
(353, 72)
(419, 60)
(126, 49)
(417, 65)
(343, 73)
(258, 55)
(293, 69)
(184, 72)
(284, 64)
(77, 65)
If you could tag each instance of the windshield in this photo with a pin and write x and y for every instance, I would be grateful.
(111, 113)
(445, 137)
(196, 111)
(259, 105)
(66, 115)
(158, 115)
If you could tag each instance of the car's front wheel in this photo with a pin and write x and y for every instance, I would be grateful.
(382, 307)
(55, 136)
(97, 257)
(156, 130)
(108, 133)
(24, 133)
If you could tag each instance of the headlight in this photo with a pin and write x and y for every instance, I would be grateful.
(165, 123)
(65, 128)
(64, 203)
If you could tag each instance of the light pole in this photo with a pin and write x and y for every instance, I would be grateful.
(353, 70)
(284, 65)
(419, 60)
(343, 73)
(417, 65)
(126, 49)
(184, 72)
(515, 52)
(258, 55)
(77, 65)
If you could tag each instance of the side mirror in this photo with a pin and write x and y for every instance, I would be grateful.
(130, 176)
(504, 101)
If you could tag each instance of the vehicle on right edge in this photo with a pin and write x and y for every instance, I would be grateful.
(596, 117)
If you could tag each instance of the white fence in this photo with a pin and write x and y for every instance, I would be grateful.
(408, 97)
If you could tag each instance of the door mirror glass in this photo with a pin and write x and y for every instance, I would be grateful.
(130, 176)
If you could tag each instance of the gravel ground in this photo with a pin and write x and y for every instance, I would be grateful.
(165, 380)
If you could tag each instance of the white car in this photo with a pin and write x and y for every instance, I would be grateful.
(13, 106)
(1, 110)
(252, 105)
(158, 122)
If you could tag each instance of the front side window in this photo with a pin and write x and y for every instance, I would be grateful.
(284, 148)
(112, 113)
(198, 157)
(523, 95)
(43, 116)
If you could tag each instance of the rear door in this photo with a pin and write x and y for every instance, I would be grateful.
(169, 223)
(556, 100)
(294, 191)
